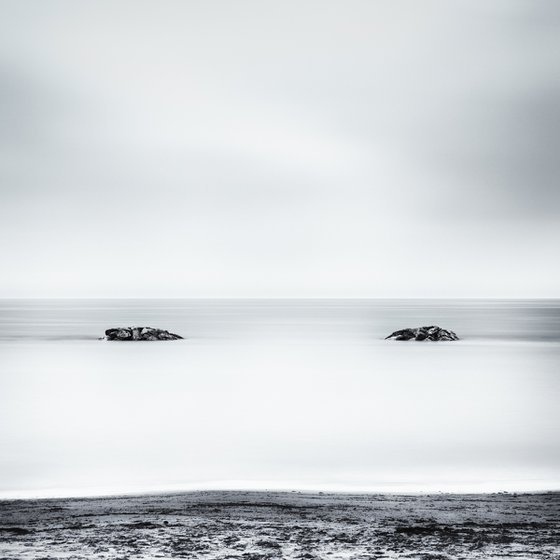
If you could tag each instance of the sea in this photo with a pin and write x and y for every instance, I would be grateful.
(279, 394)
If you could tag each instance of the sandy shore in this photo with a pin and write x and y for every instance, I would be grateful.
(266, 525)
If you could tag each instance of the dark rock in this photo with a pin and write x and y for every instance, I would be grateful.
(432, 332)
(123, 334)
(140, 333)
(405, 334)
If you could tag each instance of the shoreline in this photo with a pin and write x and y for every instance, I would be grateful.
(450, 490)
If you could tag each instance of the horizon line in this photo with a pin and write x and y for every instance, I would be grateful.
(245, 298)
(403, 489)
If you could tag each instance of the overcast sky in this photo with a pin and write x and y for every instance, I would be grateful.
(257, 148)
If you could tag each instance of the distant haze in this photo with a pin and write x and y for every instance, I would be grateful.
(280, 149)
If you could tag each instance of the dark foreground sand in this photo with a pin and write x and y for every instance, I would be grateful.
(261, 525)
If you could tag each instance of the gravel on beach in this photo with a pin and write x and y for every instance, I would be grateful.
(268, 525)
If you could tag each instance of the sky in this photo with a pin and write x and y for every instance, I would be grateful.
(279, 149)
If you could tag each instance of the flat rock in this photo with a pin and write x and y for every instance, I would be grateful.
(432, 332)
(139, 333)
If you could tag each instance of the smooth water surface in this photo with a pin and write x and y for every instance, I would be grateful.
(278, 394)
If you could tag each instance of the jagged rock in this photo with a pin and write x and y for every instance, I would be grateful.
(139, 333)
(424, 333)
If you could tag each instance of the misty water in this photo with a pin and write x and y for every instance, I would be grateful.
(290, 394)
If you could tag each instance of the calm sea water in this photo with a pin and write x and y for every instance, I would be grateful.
(278, 394)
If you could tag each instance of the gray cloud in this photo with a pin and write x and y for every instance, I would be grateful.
(308, 146)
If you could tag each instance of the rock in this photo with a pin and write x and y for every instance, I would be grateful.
(432, 332)
(405, 334)
(123, 334)
(140, 333)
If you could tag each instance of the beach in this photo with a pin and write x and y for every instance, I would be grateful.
(267, 525)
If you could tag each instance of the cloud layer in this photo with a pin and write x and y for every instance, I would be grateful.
(279, 149)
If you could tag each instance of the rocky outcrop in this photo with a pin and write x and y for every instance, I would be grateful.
(424, 333)
(139, 333)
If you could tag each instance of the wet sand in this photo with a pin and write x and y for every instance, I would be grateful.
(266, 525)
